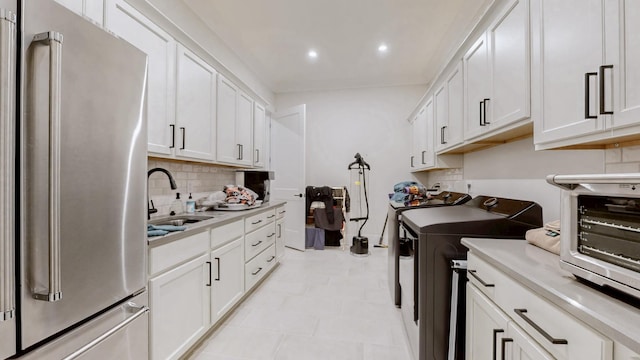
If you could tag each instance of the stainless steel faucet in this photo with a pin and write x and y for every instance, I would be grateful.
(150, 208)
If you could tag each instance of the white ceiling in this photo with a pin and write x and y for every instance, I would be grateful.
(273, 38)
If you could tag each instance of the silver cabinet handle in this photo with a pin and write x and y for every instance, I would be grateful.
(257, 155)
(142, 310)
(7, 133)
(53, 40)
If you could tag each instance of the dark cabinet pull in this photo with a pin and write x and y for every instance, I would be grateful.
(485, 284)
(587, 96)
(484, 108)
(442, 135)
(279, 231)
(271, 235)
(256, 244)
(551, 339)
(481, 112)
(209, 265)
(271, 216)
(271, 258)
(256, 223)
(257, 155)
(601, 76)
(241, 152)
(411, 160)
(173, 136)
(495, 343)
(218, 277)
(184, 138)
(423, 151)
(503, 346)
(256, 272)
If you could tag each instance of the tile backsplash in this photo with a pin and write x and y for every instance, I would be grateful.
(199, 179)
(622, 159)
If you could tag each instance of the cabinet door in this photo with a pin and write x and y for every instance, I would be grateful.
(427, 153)
(476, 72)
(441, 115)
(508, 38)
(623, 52)
(227, 283)
(227, 147)
(567, 50)
(454, 132)
(195, 106)
(517, 345)
(92, 9)
(132, 26)
(180, 305)
(485, 328)
(280, 238)
(244, 129)
(415, 142)
(259, 135)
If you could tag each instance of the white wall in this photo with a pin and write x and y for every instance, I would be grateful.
(516, 170)
(369, 121)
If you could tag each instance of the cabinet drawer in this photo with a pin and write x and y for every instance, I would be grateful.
(558, 332)
(256, 269)
(258, 240)
(176, 252)
(225, 233)
(258, 220)
(280, 211)
(484, 276)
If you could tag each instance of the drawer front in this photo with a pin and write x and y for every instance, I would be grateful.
(256, 221)
(225, 233)
(259, 266)
(280, 211)
(558, 332)
(258, 240)
(484, 276)
(166, 256)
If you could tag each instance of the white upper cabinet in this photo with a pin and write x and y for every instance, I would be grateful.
(244, 129)
(160, 47)
(497, 73)
(195, 107)
(259, 135)
(567, 52)
(586, 72)
(235, 124)
(422, 134)
(449, 110)
(92, 9)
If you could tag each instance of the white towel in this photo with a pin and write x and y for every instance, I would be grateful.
(547, 237)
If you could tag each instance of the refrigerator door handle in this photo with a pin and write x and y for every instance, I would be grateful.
(53, 40)
(7, 131)
(141, 310)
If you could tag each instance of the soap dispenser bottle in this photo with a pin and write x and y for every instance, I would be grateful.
(176, 206)
(191, 205)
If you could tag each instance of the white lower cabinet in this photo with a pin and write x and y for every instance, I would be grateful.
(227, 278)
(180, 305)
(535, 328)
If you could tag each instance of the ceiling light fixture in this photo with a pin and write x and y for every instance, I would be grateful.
(312, 54)
(382, 48)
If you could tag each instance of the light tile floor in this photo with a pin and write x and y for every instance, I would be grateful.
(318, 304)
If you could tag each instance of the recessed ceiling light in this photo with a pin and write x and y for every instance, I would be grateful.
(383, 48)
(312, 54)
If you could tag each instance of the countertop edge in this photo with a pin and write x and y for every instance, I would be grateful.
(557, 295)
(220, 218)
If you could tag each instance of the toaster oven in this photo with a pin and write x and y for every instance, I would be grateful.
(600, 228)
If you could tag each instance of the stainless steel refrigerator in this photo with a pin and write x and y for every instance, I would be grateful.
(73, 166)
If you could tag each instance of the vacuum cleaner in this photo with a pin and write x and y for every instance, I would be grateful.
(360, 244)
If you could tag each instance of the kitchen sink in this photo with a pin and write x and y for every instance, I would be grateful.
(179, 220)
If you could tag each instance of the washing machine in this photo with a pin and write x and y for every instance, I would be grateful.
(398, 246)
(432, 281)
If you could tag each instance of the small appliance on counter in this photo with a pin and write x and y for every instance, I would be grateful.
(257, 180)
(432, 282)
(600, 219)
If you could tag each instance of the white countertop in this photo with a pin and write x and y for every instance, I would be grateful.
(219, 218)
(539, 270)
